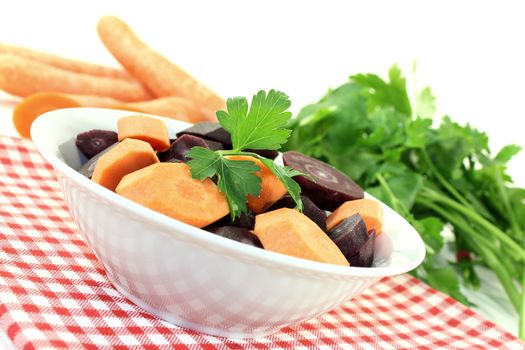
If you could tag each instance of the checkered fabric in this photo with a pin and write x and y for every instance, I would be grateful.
(55, 294)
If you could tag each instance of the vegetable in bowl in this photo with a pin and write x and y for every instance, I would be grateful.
(200, 182)
(149, 256)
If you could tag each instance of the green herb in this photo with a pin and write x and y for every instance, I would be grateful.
(432, 175)
(261, 126)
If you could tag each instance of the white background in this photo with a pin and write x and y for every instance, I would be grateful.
(471, 53)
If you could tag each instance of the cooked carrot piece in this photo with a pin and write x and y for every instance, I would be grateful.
(290, 232)
(140, 127)
(169, 189)
(128, 156)
(65, 63)
(22, 77)
(157, 73)
(272, 189)
(370, 210)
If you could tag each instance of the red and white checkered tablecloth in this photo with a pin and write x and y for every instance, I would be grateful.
(55, 294)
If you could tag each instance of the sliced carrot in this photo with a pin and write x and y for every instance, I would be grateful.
(128, 156)
(169, 189)
(157, 73)
(140, 127)
(272, 189)
(65, 63)
(172, 107)
(22, 77)
(31, 107)
(290, 232)
(370, 210)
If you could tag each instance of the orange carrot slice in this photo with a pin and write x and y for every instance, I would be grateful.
(290, 232)
(169, 189)
(370, 210)
(65, 63)
(22, 77)
(172, 107)
(128, 156)
(153, 70)
(272, 189)
(140, 127)
(31, 107)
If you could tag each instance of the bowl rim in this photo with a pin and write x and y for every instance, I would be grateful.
(38, 136)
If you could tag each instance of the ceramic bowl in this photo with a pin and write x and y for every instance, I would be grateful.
(193, 278)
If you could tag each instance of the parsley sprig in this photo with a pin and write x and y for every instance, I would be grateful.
(258, 126)
(436, 174)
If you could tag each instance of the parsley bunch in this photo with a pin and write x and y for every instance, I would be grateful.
(433, 176)
(261, 126)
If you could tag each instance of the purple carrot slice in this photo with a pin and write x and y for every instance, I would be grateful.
(239, 234)
(183, 144)
(326, 186)
(95, 141)
(246, 220)
(209, 131)
(365, 256)
(309, 209)
(350, 235)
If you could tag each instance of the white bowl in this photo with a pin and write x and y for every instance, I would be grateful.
(191, 277)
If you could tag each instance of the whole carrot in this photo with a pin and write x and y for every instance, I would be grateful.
(172, 107)
(22, 77)
(157, 73)
(65, 63)
(34, 105)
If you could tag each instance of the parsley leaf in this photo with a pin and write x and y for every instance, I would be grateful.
(261, 126)
(285, 174)
(425, 103)
(235, 178)
(204, 162)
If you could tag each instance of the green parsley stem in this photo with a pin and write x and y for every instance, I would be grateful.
(480, 243)
(521, 329)
(506, 203)
(442, 180)
(509, 242)
(231, 152)
(397, 205)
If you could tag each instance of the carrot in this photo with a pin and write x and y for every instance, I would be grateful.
(140, 127)
(290, 232)
(272, 189)
(31, 107)
(22, 77)
(172, 107)
(370, 210)
(169, 189)
(128, 156)
(36, 104)
(65, 63)
(153, 70)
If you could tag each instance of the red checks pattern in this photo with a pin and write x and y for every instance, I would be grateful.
(55, 294)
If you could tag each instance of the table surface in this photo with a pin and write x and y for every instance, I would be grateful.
(54, 292)
(468, 52)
